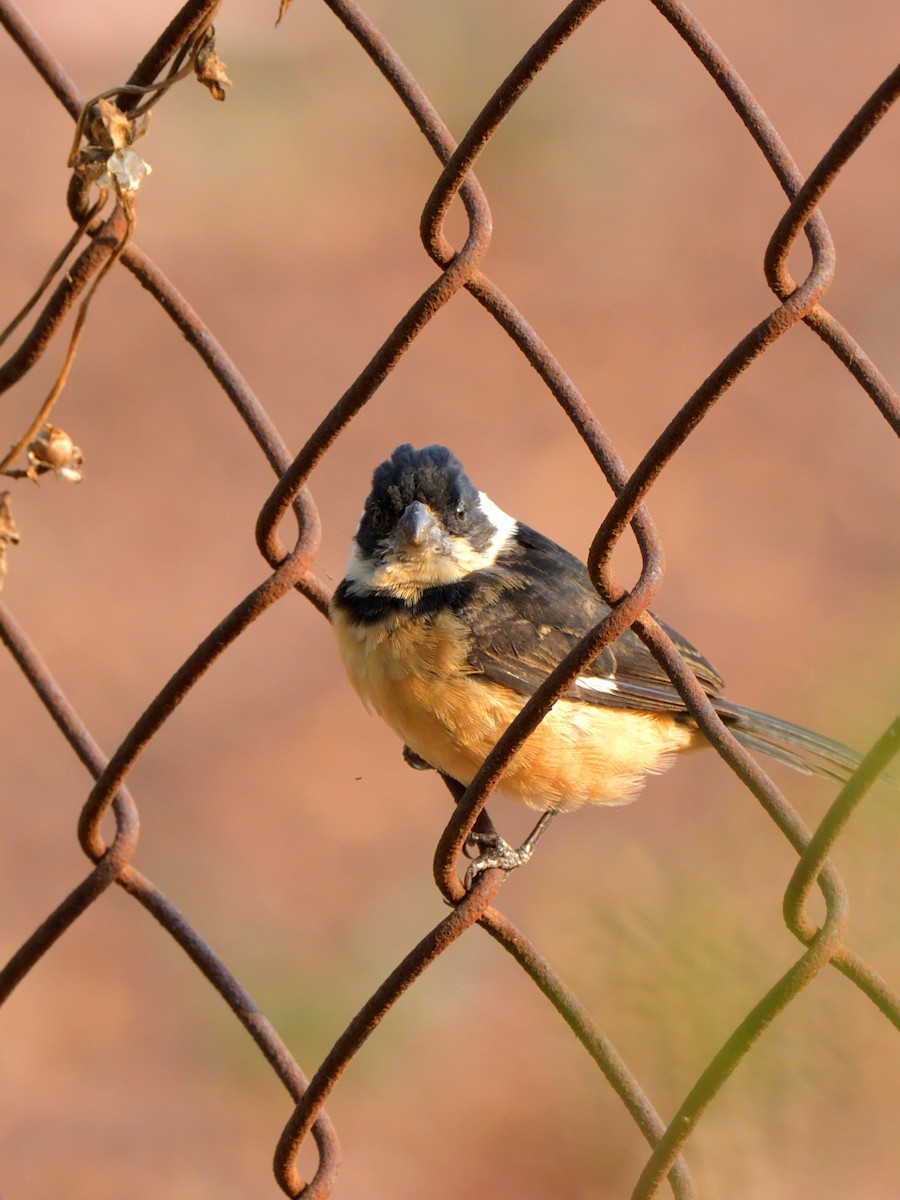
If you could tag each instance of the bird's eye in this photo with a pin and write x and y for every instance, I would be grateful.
(378, 518)
(461, 510)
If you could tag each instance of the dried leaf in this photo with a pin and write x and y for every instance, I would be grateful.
(209, 68)
(107, 127)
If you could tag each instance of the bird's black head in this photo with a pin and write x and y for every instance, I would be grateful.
(433, 476)
(424, 523)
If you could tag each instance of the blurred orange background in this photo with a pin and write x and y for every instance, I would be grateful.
(631, 213)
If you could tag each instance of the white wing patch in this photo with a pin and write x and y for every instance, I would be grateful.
(595, 683)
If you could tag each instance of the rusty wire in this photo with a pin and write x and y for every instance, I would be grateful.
(291, 569)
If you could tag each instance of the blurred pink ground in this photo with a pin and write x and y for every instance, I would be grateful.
(631, 213)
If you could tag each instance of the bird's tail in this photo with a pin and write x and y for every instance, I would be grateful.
(792, 744)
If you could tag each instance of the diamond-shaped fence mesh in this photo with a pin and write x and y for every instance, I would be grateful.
(648, 219)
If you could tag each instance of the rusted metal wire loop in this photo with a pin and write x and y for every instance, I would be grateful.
(579, 1020)
(461, 918)
(291, 569)
(813, 188)
(251, 1017)
(488, 121)
(738, 1045)
(814, 859)
(791, 179)
(114, 867)
(244, 400)
(832, 825)
(788, 228)
(170, 696)
(110, 863)
(367, 382)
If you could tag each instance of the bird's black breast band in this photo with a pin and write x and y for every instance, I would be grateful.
(375, 606)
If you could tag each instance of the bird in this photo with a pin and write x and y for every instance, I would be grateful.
(452, 613)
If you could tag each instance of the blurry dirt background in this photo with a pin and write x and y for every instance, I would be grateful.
(631, 213)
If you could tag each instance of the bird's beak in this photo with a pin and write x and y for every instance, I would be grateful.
(418, 528)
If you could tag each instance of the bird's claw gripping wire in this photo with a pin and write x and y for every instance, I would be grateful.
(497, 852)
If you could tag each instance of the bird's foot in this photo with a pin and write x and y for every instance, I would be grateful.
(497, 852)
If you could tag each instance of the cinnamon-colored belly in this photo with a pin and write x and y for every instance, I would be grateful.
(415, 677)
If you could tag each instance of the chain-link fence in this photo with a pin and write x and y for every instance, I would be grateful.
(187, 530)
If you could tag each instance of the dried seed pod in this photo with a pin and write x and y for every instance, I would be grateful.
(106, 159)
(54, 450)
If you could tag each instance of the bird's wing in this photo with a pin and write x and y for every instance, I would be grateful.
(536, 604)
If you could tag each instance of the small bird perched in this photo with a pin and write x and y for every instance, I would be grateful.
(452, 613)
